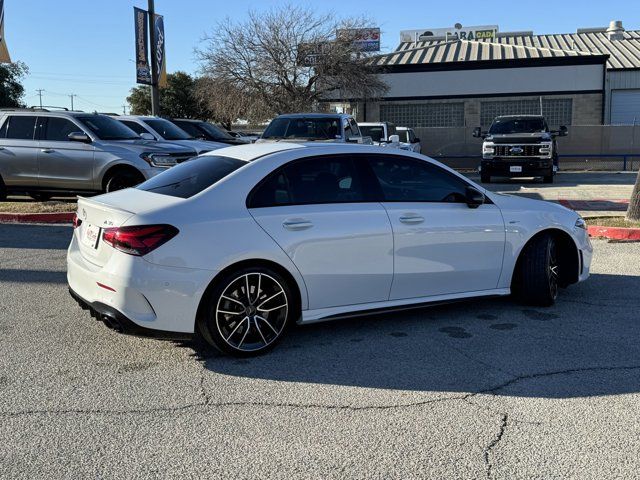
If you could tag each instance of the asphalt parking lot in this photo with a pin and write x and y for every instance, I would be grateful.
(482, 389)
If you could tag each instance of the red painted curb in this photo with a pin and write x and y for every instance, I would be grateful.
(66, 217)
(614, 233)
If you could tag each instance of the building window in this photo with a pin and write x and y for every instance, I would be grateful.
(557, 111)
(424, 115)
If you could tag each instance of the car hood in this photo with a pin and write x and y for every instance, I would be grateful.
(200, 146)
(520, 137)
(145, 146)
(515, 202)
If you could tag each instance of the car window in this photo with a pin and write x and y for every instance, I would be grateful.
(404, 135)
(354, 128)
(136, 127)
(20, 127)
(412, 180)
(58, 129)
(314, 180)
(303, 128)
(189, 178)
(191, 128)
(412, 136)
(376, 132)
(106, 128)
(167, 130)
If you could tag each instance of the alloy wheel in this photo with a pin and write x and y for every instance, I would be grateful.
(252, 311)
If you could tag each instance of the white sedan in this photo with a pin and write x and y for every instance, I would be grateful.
(238, 244)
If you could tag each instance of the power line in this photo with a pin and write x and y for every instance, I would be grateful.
(40, 90)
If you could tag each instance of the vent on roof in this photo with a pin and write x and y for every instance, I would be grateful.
(615, 30)
(591, 30)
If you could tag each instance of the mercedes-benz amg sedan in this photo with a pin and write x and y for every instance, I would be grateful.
(240, 243)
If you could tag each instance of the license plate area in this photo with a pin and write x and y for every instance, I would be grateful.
(90, 236)
(515, 169)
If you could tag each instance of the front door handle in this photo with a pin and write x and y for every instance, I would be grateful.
(297, 224)
(411, 218)
(47, 150)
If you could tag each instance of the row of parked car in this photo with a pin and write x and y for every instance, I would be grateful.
(44, 153)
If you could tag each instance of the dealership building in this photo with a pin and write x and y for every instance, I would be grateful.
(465, 77)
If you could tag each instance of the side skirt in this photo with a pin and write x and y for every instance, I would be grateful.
(373, 308)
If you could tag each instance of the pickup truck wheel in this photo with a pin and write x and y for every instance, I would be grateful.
(3, 191)
(122, 179)
(485, 178)
(536, 279)
(547, 178)
(40, 196)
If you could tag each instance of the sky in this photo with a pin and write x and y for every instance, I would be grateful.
(86, 47)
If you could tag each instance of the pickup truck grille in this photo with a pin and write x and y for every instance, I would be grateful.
(517, 150)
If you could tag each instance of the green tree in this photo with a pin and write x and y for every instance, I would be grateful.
(178, 99)
(11, 88)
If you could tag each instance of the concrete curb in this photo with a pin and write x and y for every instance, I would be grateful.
(66, 217)
(614, 233)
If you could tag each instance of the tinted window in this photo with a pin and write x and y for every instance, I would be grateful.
(192, 177)
(136, 127)
(167, 130)
(376, 132)
(404, 135)
(106, 128)
(58, 129)
(21, 127)
(303, 128)
(354, 128)
(408, 180)
(311, 181)
(215, 131)
(518, 125)
(190, 127)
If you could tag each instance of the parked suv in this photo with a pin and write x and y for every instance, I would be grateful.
(43, 153)
(156, 128)
(207, 131)
(519, 146)
(314, 127)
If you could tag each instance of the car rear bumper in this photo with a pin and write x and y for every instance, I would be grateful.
(136, 295)
(530, 167)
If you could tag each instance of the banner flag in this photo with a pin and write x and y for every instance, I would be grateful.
(4, 52)
(161, 60)
(143, 72)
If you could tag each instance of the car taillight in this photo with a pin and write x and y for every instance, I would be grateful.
(76, 221)
(140, 239)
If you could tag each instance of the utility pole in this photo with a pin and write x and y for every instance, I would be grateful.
(124, 109)
(71, 97)
(155, 97)
(40, 90)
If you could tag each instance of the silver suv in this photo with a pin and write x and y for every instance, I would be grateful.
(45, 152)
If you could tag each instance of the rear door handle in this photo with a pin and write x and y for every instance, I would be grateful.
(411, 218)
(297, 224)
(47, 150)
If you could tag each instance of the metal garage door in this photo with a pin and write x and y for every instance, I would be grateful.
(625, 107)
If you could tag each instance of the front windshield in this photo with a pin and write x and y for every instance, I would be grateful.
(303, 128)
(167, 130)
(215, 131)
(518, 125)
(376, 132)
(106, 128)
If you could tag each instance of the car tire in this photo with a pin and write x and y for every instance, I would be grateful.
(485, 178)
(40, 196)
(548, 178)
(121, 179)
(248, 311)
(3, 191)
(537, 277)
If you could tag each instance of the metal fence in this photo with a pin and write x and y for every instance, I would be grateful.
(588, 147)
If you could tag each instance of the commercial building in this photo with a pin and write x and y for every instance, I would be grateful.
(464, 77)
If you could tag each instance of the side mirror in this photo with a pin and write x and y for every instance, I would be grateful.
(477, 132)
(416, 140)
(147, 136)
(474, 197)
(394, 139)
(563, 131)
(79, 137)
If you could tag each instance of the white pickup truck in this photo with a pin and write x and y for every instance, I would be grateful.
(382, 133)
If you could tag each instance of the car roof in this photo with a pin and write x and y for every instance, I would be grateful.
(520, 116)
(38, 112)
(314, 115)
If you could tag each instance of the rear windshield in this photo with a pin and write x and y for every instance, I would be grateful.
(376, 132)
(303, 128)
(518, 125)
(192, 177)
(404, 135)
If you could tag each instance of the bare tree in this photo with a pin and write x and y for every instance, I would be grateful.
(633, 211)
(289, 59)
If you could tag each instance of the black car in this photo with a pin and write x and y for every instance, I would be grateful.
(207, 131)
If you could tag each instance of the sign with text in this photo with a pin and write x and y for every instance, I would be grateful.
(161, 59)
(143, 72)
(364, 39)
(453, 33)
(4, 52)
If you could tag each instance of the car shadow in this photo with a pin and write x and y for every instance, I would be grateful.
(583, 346)
(41, 237)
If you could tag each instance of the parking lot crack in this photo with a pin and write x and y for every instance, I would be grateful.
(488, 456)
